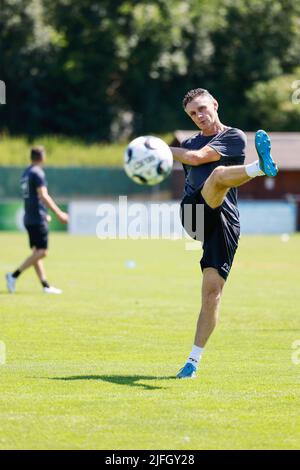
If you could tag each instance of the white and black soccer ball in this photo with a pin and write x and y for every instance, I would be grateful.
(148, 160)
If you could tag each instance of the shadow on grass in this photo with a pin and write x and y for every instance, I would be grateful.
(131, 380)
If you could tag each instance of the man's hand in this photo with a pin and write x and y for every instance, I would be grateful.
(63, 217)
(48, 201)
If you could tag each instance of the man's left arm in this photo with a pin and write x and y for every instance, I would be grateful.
(195, 157)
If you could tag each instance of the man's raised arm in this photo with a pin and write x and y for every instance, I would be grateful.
(195, 157)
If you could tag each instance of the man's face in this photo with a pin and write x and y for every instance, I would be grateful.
(203, 110)
(43, 159)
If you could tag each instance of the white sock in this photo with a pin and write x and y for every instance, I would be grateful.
(195, 356)
(253, 169)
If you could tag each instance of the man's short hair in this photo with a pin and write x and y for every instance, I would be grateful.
(37, 153)
(191, 94)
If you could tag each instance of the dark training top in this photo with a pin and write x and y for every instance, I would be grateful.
(35, 211)
(231, 145)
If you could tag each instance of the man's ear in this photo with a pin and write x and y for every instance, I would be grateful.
(216, 105)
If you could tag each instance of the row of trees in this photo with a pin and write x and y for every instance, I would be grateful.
(101, 69)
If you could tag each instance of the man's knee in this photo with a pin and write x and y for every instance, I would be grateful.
(213, 286)
(213, 294)
(214, 189)
(210, 303)
(41, 253)
(217, 176)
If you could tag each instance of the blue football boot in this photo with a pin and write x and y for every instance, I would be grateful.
(263, 148)
(187, 372)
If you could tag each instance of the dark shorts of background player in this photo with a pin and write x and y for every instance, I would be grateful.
(220, 236)
(38, 236)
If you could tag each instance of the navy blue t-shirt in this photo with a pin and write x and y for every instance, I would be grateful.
(231, 145)
(35, 211)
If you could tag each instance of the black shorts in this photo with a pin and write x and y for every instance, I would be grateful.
(38, 236)
(220, 237)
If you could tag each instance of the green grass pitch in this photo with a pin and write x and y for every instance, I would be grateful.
(94, 368)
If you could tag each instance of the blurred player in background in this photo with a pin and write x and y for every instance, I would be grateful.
(213, 161)
(36, 218)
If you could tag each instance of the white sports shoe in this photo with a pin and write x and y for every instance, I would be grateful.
(10, 283)
(52, 290)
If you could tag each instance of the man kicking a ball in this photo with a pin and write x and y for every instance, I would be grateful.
(213, 162)
(36, 218)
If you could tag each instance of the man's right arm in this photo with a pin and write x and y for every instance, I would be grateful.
(195, 157)
(49, 202)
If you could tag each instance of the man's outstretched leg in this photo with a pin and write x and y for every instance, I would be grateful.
(223, 178)
(212, 286)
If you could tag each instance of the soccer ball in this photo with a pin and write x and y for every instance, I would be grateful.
(148, 160)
